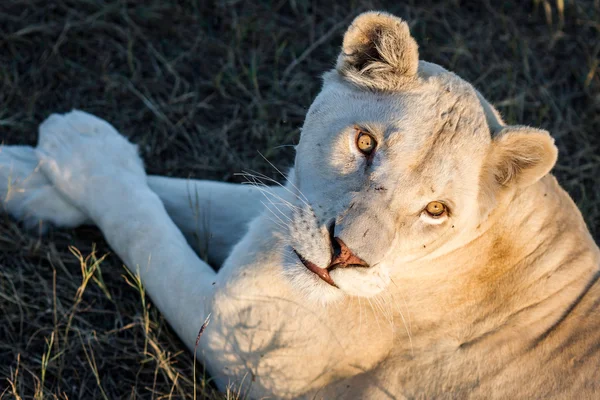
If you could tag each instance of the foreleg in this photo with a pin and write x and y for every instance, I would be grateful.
(97, 171)
(213, 216)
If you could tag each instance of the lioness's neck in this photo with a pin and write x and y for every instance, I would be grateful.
(539, 258)
(520, 288)
(514, 281)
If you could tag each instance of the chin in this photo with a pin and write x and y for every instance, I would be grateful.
(362, 282)
(310, 286)
(355, 282)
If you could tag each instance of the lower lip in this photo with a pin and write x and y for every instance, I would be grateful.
(320, 272)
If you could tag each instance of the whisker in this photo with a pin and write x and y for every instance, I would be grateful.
(283, 224)
(374, 313)
(303, 199)
(265, 190)
(407, 327)
(360, 316)
(284, 176)
(258, 175)
(405, 303)
(379, 304)
(270, 201)
(279, 224)
(385, 310)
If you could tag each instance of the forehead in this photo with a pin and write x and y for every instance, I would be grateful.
(442, 110)
(434, 135)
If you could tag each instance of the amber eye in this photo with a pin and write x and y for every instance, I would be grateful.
(436, 209)
(365, 142)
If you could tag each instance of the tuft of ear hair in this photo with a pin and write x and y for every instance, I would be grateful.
(521, 156)
(378, 52)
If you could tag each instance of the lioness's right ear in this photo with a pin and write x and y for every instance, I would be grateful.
(520, 156)
(378, 52)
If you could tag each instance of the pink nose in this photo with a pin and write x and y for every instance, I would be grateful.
(343, 257)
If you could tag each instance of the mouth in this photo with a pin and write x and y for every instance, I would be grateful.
(320, 272)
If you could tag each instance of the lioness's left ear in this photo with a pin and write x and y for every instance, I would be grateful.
(521, 155)
(378, 52)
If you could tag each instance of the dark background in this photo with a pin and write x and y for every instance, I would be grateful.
(203, 87)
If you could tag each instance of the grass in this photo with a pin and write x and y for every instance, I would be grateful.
(203, 86)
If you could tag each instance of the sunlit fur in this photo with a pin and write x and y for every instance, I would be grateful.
(497, 299)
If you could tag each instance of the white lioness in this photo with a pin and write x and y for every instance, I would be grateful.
(418, 249)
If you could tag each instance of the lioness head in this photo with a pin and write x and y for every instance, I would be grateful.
(399, 160)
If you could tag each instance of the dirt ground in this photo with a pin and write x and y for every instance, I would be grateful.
(204, 86)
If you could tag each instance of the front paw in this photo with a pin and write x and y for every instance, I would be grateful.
(84, 156)
(27, 195)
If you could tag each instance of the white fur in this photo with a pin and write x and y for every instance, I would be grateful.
(277, 330)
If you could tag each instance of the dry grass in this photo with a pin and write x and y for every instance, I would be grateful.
(203, 86)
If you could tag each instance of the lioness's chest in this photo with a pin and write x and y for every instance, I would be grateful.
(261, 329)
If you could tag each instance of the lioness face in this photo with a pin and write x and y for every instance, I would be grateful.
(385, 176)
(394, 176)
